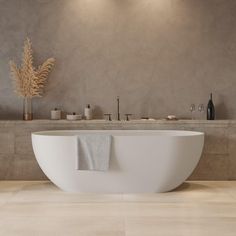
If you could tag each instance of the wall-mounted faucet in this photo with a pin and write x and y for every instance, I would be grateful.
(108, 115)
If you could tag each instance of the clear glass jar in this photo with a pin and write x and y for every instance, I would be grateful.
(27, 109)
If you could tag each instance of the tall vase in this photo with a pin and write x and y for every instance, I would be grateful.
(27, 109)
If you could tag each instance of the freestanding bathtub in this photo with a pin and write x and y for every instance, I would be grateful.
(141, 160)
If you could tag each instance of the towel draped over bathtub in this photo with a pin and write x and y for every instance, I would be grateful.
(93, 152)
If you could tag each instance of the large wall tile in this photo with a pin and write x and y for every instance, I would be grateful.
(212, 167)
(216, 140)
(23, 144)
(232, 154)
(7, 143)
(6, 161)
(24, 168)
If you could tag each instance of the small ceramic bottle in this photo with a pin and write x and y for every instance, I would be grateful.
(56, 114)
(88, 112)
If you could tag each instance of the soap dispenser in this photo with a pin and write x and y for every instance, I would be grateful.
(88, 112)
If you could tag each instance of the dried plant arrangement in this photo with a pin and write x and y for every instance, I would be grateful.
(30, 81)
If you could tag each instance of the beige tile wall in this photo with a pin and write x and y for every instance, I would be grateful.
(17, 161)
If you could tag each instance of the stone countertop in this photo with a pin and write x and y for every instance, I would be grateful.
(115, 122)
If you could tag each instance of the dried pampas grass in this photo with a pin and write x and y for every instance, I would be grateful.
(30, 81)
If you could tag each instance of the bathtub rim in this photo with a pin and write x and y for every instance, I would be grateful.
(119, 132)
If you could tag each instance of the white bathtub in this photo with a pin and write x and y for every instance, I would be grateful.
(141, 160)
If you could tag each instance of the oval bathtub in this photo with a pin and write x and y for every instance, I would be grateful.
(140, 161)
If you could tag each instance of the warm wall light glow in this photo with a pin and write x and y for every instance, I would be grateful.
(99, 6)
(91, 6)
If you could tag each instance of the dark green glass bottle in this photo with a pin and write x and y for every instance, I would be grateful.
(210, 109)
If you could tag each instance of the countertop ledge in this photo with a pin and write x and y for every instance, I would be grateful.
(160, 121)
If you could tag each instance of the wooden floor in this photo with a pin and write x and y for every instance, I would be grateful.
(195, 209)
